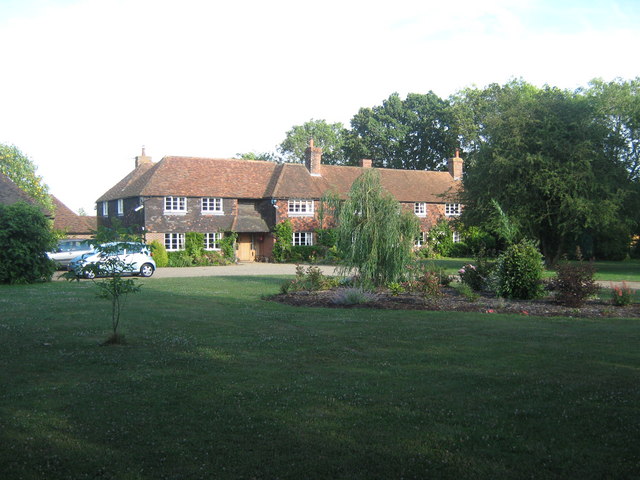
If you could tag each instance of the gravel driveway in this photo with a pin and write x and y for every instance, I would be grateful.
(256, 268)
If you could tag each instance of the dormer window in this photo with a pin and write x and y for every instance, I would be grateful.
(420, 209)
(452, 209)
(300, 208)
(212, 206)
(175, 205)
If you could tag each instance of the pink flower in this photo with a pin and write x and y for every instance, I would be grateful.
(491, 310)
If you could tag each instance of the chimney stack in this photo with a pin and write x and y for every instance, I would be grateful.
(366, 162)
(455, 165)
(142, 159)
(313, 159)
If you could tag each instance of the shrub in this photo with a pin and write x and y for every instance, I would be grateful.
(396, 288)
(312, 279)
(301, 253)
(479, 241)
(327, 237)
(159, 254)
(429, 284)
(467, 292)
(228, 245)
(25, 237)
(519, 271)
(574, 283)
(284, 235)
(621, 295)
(179, 259)
(440, 240)
(194, 244)
(353, 296)
(470, 276)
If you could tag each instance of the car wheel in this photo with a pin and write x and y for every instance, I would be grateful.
(90, 274)
(146, 270)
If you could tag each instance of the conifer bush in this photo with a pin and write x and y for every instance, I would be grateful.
(519, 271)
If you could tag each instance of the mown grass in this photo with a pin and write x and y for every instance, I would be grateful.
(628, 270)
(216, 383)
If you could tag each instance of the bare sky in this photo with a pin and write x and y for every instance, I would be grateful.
(86, 83)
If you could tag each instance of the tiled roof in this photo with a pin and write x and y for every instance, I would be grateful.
(232, 178)
(197, 177)
(11, 193)
(71, 223)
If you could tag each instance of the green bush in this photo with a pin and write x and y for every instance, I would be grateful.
(194, 244)
(478, 240)
(310, 280)
(284, 235)
(302, 253)
(519, 271)
(440, 240)
(25, 237)
(574, 283)
(621, 295)
(159, 254)
(180, 259)
(327, 237)
(470, 275)
(228, 245)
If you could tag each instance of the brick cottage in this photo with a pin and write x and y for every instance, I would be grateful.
(167, 199)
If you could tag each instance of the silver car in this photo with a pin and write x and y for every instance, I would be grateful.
(116, 257)
(68, 249)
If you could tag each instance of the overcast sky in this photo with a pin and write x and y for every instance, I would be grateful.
(84, 84)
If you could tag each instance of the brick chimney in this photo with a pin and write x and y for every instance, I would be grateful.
(142, 159)
(455, 166)
(313, 158)
(366, 162)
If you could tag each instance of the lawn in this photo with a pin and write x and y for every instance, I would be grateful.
(628, 270)
(217, 383)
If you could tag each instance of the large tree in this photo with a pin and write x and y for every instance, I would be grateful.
(22, 171)
(538, 153)
(375, 236)
(25, 237)
(329, 136)
(416, 133)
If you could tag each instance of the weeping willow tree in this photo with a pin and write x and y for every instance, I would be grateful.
(375, 235)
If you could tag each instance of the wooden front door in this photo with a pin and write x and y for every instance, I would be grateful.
(246, 250)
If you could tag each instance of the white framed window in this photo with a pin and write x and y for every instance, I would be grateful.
(120, 210)
(302, 238)
(105, 209)
(212, 206)
(421, 239)
(212, 241)
(300, 207)
(175, 205)
(420, 209)
(174, 241)
(456, 237)
(452, 209)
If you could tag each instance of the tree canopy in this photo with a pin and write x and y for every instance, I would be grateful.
(329, 136)
(417, 133)
(22, 171)
(540, 155)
